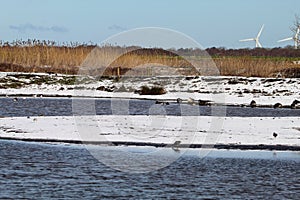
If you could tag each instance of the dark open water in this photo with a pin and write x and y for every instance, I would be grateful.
(63, 107)
(35, 171)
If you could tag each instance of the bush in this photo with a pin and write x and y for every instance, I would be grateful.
(155, 90)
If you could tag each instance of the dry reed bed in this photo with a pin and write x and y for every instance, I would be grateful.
(259, 67)
(72, 59)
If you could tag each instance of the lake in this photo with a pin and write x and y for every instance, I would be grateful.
(37, 170)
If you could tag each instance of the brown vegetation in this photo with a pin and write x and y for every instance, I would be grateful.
(259, 67)
(41, 56)
(47, 56)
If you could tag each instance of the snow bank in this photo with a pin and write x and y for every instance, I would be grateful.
(156, 129)
(219, 89)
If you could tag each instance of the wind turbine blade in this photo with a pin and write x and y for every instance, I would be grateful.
(245, 40)
(286, 39)
(261, 29)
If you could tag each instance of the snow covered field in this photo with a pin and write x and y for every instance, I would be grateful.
(157, 129)
(224, 90)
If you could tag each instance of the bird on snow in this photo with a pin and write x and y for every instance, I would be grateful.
(278, 105)
(175, 146)
(294, 104)
(252, 104)
(179, 100)
(191, 101)
(176, 143)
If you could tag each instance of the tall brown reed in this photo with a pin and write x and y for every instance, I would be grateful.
(50, 56)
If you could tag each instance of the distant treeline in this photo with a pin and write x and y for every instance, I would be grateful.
(288, 51)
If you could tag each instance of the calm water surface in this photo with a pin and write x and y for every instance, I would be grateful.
(63, 107)
(34, 171)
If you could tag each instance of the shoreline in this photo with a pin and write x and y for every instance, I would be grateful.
(204, 90)
(161, 101)
(277, 147)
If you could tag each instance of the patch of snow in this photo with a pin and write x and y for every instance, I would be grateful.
(156, 129)
(219, 89)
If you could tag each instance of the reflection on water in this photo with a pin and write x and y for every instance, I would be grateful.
(33, 170)
(63, 107)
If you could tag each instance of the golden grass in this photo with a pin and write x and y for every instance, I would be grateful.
(76, 59)
(249, 66)
(43, 58)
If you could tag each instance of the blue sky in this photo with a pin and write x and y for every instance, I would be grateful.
(218, 23)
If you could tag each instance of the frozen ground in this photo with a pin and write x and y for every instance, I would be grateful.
(225, 90)
(157, 129)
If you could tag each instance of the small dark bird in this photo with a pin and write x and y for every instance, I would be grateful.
(162, 102)
(179, 100)
(252, 104)
(176, 145)
(277, 105)
(295, 104)
(204, 102)
(275, 135)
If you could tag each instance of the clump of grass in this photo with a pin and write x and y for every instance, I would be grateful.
(42, 79)
(67, 80)
(155, 90)
(14, 85)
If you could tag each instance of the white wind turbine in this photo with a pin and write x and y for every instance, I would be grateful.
(256, 39)
(295, 38)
